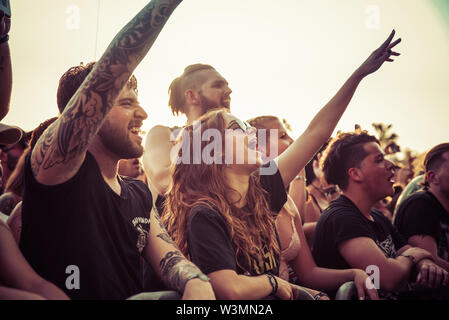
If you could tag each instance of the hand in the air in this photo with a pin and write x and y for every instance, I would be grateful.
(379, 56)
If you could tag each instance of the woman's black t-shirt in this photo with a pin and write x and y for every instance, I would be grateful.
(210, 243)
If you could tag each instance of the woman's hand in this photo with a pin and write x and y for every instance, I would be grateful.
(378, 57)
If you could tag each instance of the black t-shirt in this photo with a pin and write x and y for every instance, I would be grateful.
(341, 221)
(84, 223)
(422, 214)
(210, 243)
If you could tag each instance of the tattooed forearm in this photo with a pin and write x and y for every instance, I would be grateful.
(158, 217)
(177, 270)
(166, 237)
(87, 109)
(164, 234)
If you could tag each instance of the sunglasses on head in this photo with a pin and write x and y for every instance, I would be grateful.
(243, 125)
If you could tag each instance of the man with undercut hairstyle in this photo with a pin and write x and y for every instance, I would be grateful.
(423, 217)
(84, 227)
(351, 234)
(200, 88)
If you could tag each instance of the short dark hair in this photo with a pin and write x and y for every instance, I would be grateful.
(344, 152)
(434, 158)
(72, 79)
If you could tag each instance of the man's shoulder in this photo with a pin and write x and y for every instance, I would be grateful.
(340, 208)
(418, 199)
(162, 131)
(339, 213)
(161, 136)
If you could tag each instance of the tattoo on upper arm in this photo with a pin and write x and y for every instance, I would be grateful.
(70, 136)
(177, 270)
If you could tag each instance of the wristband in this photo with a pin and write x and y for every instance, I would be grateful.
(5, 38)
(410, 257)
(319, 295)
(273, 282)
(303, 178)
(200, 276)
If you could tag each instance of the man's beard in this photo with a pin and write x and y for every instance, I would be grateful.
(118, 142)
(208, 104)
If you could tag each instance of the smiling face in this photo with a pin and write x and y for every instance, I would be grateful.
(241, 141)
(283, 139)
(376, 173)
(120, 130)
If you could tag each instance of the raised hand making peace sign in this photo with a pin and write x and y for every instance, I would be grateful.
(379, 56)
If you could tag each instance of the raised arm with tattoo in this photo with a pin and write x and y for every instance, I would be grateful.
(61, 150)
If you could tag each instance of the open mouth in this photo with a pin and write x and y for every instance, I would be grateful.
(252, 144)
(392, 179)
(226, 102)
(135, 128)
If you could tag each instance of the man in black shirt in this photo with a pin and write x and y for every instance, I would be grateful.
(349, 234)
(424, 216)
(85, 227)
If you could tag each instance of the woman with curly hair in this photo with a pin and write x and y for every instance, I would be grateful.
(221, 200)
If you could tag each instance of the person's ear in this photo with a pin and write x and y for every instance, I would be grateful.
(432, 177)
(355, 174)
(192, 97)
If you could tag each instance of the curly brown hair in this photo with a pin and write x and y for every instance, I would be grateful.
(72, 79)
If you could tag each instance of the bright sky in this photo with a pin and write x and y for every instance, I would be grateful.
(286, 58)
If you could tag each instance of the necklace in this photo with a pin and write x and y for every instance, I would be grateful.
(319, 191)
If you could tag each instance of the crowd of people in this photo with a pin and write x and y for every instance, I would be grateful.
(220, 208)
